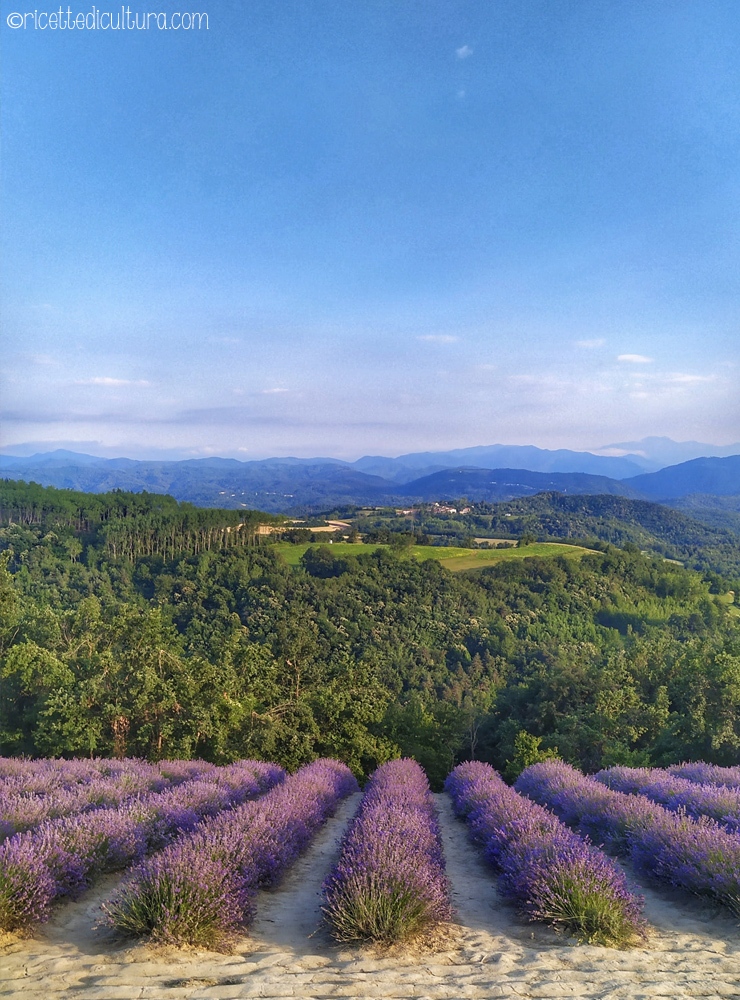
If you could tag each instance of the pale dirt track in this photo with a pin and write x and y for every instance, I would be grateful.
(692, 952)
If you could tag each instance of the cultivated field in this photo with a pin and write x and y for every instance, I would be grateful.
(684, 945)
(451, 557)
(692, 951)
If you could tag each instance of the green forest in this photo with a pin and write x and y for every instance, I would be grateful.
(134, 625)
(558, 517)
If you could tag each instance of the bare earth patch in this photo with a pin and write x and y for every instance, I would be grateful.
(693, 951)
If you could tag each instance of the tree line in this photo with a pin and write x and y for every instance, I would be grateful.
(228, 652)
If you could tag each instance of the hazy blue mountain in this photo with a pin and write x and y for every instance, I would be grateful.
(498, 456)
(272, 485)
(715, 476)
(506, 484)
(50, 459)
(394, 469)
(292, 484)
(654, 453)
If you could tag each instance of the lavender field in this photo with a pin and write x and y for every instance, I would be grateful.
(287, 885)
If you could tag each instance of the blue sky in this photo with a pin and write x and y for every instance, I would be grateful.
(372, 226)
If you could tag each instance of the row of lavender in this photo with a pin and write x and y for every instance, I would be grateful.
(40, 775)
(390, 878)
(389, 881)
(707, 774)
(201, 888)
(60, 772)
(697, 855)
(49, 789)
(61, 857)
(547, 871)
(721, 802)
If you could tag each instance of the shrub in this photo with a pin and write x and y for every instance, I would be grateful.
(389, 882)
(550, 873)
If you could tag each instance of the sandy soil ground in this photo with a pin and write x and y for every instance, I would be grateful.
(692, 951)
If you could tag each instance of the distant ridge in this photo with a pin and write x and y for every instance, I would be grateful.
(295, 485)
(716, 476)
(659, 452)
(498, 456)
(506, 484)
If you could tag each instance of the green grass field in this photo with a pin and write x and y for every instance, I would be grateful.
(455, 559)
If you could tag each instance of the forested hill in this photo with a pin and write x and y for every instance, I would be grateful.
(230, 652)
(127, 524)
(553, 516)
(619, 521)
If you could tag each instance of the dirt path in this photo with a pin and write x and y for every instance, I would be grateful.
(488, 953)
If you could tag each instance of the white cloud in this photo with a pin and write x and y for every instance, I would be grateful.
(635, 359)
(271, 392)
(589, 345)
(438, 338)
(464, 52)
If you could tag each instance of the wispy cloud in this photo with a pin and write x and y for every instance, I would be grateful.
(438, 338)
(590, 345)
(683, 378)
(108, 381)
(666, 385)
(272, 392)
(541, 385)
(635, 359)
(464, 52)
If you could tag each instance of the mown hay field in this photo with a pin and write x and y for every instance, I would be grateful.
(452, 557)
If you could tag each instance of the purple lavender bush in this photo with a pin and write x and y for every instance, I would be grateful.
(719, 802)
(696, 855)
(707, 774)
(62, 857)
(66, 788)
(40, 777)
(549, 872)
(48, 797)
(201, 888)
(390, 881)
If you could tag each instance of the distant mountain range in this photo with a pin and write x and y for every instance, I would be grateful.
(506, 484)
(292, 485)
(406, 468)
(658, 452)
(618, 461)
